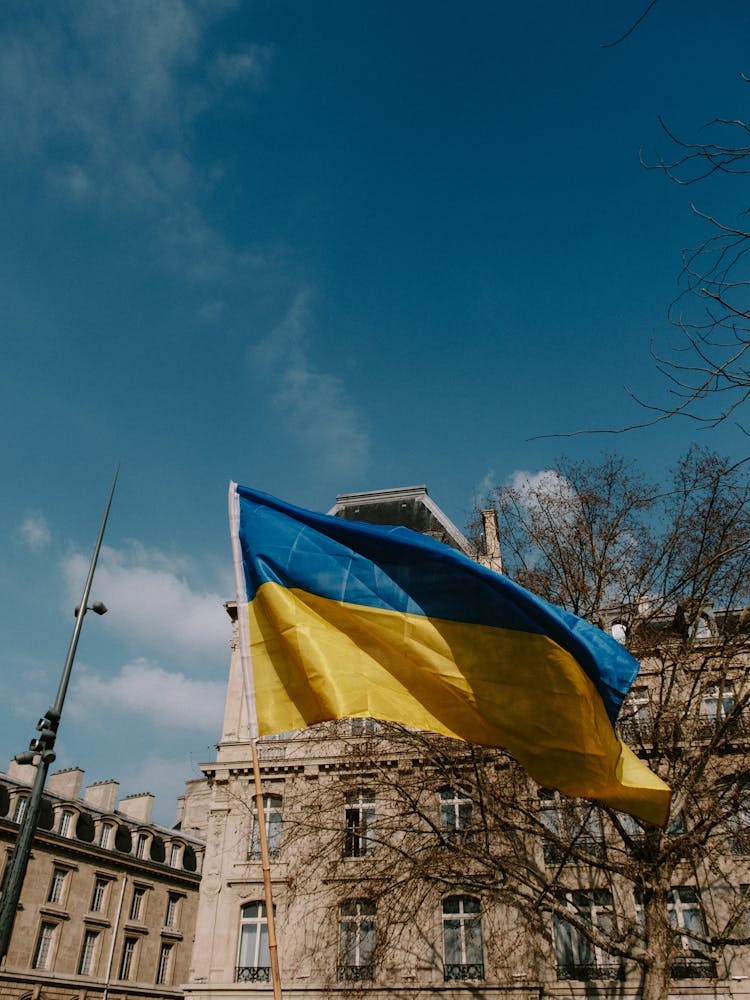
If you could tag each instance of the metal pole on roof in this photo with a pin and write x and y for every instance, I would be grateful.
(41, 753)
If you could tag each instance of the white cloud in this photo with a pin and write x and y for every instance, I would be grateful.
(34, 531)
(167, 698)
(151, 601)
(316, 407)
(248, 64)
(544, 487)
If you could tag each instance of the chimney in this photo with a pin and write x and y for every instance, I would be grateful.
(102, 795)
(493, 557)
(66, 783)
(138, 807)
(23, 773)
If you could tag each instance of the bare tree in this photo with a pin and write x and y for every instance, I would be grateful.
(399, 821)
(708, 372)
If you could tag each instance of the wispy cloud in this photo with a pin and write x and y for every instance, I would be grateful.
(104, 97)
(146, 689)
(34, 531)
(152, 602)
(249, 64)
(315, 406)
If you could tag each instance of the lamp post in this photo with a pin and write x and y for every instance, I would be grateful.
(41, 750)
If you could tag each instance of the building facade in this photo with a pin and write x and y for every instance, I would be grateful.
(404, 864)
(109, 902)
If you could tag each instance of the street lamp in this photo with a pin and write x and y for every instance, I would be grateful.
(41, 749)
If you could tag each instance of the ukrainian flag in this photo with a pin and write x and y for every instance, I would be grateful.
(352, 619)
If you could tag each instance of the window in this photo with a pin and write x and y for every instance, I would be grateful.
(164, 968)
(703, 628)
(174, 856)
(362, 727)
(105, 835)
(455, 814)
(140, 845)
(128, 958)
(739, 822)
(253, 960)
(137, 904)
(462, 938)
(717, 703)
(685, 913)
(577, 957)
(20, 808)
(66, 823)
(173, 906)
(89, 949)
(44, 942)
(356, 940)
(272, 806)
(360, 825)
(99, 895)
(57, 886)
(636, 718)
(574, 830)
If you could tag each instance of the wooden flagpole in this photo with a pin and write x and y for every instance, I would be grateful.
(252, 721)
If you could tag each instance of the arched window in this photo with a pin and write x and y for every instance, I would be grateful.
(356, 940)
(462, 938)
(272, 808)
(253, 957)
(455, 814)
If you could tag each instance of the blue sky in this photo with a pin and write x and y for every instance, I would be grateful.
(316, 248)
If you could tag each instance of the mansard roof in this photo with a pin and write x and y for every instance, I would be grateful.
(407, 506)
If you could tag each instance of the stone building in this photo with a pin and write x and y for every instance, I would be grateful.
(109, 902)
(389, 866)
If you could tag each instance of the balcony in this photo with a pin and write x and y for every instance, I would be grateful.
(693, 967)
(456, 973)
(355, 973)
(554, 854)
(252, 974)
(587, 973)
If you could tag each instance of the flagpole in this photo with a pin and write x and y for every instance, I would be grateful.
(42, 750)
(252, 721)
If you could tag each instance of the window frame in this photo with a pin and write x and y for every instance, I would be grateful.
(577, 958)
(253, 930)
(456, 814)
(65, 823)
(273, 809)
(58, 886)
(357, 928)
(89, 954)
(465, 913)
(128, 964)
(99, 894)
(137, 908)
(172, 912)
(43, 956)
(359, 824)
(165, 963)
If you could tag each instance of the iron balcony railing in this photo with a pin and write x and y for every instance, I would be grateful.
(472, 970)
(253, 974)
(693, 967)
(589, 971)
(355, 973)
